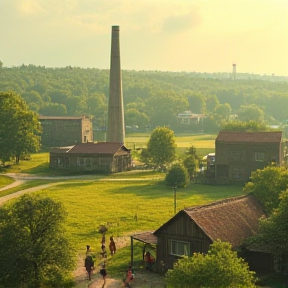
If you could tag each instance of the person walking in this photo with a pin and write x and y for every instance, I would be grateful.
(103, 272)
(112, 246)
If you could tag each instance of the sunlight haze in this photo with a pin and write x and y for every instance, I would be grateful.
(166, 35)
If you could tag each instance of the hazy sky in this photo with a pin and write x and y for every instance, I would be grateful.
(166, 35)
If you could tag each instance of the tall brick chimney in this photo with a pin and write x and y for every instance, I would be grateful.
(115, 125)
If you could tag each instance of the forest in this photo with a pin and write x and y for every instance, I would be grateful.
(74, 91)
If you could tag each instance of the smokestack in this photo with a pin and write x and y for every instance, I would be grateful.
(115, 125)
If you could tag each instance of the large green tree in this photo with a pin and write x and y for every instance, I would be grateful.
(161, 146)
(267, 184)
(19, 128)
(34, 251)
(219, 268)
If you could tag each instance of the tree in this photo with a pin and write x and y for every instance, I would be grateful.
(34, 251)
(53, 109)
(251, 112)
(249, 126)
(267, 184)
(134, 117)
(19, 128)
(191, 161)
(161, 146)
(177, 176)
(273, 231)
(219, 268)
(196, 102)
(222, 112)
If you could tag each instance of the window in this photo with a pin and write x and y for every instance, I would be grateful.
(59, 162)
(238, 173)
(259, 156)
(179, 248)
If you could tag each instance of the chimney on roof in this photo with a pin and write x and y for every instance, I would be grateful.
(115, 125)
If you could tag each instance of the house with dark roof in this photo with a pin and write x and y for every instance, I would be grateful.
(194, 229)
(238, 154)
(63, 130)
(103, 157)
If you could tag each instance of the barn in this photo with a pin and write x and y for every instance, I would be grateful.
(100, 157)
(195, 228)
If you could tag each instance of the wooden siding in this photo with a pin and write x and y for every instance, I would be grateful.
(97, 163)
(63, 132)
(180, 229)
(236, 161)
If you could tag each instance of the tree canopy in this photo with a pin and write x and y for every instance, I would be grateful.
(273, 231)
(219, 268)
(34, 251)
(161, 146)
(19, 128)
(177, 176)
(267, 184)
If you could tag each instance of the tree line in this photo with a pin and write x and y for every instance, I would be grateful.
(74, 91)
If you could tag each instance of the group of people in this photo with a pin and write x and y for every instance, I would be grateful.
(89, 261)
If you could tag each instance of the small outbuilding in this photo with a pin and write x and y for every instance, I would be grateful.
(103, 157)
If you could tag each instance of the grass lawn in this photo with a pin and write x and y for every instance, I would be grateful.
(115, 204)
(4, 181)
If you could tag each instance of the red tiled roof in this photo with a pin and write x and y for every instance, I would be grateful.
(231, 220)
(98, 148)
(255, 137)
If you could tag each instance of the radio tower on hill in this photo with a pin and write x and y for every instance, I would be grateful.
(234, 71)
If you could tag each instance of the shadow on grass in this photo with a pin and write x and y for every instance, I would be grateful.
(160, 189)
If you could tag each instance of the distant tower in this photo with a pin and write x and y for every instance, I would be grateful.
(234, 71)
(115, 125)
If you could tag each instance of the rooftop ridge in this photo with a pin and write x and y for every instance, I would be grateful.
(217, 203)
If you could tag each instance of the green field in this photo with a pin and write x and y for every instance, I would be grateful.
(4, 181)
(124, 202)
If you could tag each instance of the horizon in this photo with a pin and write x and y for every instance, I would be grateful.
(193, 36)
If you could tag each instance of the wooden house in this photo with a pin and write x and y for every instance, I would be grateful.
(63, 131)
(104, 157)
(194, 229)
(240, 153)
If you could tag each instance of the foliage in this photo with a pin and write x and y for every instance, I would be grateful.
(177, 176)
(161, 146)
(267, 184)
(220, 268)
(273, 231)
(251, 113)
(19, 128)
(34, 250)
(191, 161)
(74, 91)
(249, 126)
(222, 112)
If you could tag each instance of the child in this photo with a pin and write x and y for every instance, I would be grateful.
(129, 277)
(103, 272)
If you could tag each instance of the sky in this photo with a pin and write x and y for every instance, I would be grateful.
(165, 35)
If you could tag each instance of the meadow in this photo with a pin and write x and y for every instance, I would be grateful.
(126, 203)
